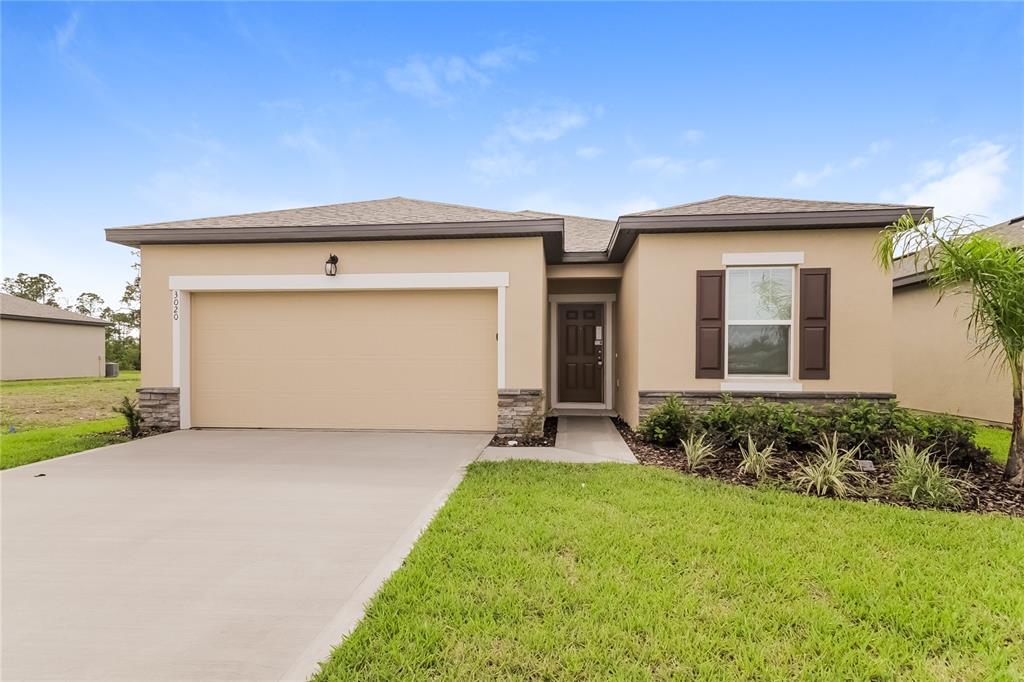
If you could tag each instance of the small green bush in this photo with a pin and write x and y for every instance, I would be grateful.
(697, 451)
(788, 426)
(755, 461)
(868, 424)
(129, 409)
(667, 423)
(919, 477)
(834, 472)
(952, 439)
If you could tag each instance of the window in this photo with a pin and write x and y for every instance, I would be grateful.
(759, 320)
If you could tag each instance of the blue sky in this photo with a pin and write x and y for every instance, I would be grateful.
(123, 113)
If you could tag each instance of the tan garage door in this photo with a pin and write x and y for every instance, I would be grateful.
(361, 360)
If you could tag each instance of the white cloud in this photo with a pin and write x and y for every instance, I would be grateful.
(663, 165)
(879, 147)
(972, 184)
(693, 136)
(635, 205)
(542, 125)
(811, 178)
(930, 168)
(66, 31)
(589, 153)
(504, 57)
(504, 151)
(435, 79)
(303, 140)
(507, 163)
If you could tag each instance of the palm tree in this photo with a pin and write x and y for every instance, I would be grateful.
(959, 262)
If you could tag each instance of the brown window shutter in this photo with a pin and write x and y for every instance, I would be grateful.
(815, 313)
(710, 324)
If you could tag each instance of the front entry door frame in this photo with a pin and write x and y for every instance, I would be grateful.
(609, 345)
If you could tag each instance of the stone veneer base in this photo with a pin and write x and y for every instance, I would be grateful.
(517, 407)
(700, 401)
(161, 409)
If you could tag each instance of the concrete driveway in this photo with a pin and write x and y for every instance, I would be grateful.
(212, 555)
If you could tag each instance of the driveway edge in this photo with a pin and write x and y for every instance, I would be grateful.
(352, 611)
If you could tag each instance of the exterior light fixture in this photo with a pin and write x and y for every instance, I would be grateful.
(331, 266)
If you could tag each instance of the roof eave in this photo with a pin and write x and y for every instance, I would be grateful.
(550, 229)
(54, 320)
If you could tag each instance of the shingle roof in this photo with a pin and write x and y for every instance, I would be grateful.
(730, 204)
(581, 234)
(13, 307)
(393, 211)
(1010, 232)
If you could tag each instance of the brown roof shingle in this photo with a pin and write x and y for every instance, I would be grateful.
(581, 234)
(732, 204)
(16, 308)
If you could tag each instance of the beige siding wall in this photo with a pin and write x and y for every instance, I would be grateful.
(45, 350)
(934, 369)
(861, 352)
(627, 340)
(522, 258)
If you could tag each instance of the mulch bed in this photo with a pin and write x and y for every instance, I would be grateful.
(987, 492)
(546, 440)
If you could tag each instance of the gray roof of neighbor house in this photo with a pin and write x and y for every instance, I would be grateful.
(906, 271)
(15, 308)
(567, 238)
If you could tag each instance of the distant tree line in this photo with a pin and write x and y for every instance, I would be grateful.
(123, 345)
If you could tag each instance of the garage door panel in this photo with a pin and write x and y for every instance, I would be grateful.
(410, 360)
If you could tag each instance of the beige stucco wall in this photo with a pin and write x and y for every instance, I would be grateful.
(627, 340)
(47, 350)
(934, 368)
(522, 258)
(861, 353)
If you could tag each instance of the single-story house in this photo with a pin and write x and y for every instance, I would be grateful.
(43, 342)
(442, 316)
(935, 364)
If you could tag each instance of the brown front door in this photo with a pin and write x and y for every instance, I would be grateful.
(581, 339)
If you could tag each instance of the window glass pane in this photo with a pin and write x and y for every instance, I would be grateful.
(759, 349)
(760, 294)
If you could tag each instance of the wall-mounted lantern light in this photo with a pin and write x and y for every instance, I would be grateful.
(331, 266)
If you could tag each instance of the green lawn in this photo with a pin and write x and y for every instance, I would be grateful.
(54, 417)
(38, 444)
(996, 440)
(59, 402)
(549, 571)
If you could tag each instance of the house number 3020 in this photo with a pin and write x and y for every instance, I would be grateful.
(174, 306)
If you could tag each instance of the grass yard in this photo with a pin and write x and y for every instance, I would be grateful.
(551, 571)
(40, 403)
(36, 445)
(54, 417)
(996, 440)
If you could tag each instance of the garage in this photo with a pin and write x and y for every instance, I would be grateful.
(413, 360)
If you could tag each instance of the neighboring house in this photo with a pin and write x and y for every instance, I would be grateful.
(43, 342)
(935, 364)
(452, 317)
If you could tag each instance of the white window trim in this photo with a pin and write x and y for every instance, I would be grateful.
(761, 382)
(764, 258)
(609, 348)
(183, 286)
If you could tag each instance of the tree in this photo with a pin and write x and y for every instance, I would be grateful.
(40, 288)
(992, 273)
(90, 304)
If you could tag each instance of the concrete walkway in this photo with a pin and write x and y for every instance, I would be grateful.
(580, 440)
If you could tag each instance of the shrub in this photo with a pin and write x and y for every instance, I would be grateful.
(951, 438)
(667, 423)
(919, 477)
(834, 472)
(129, 409)
(697, 451)
(755, 461)
(787, 425)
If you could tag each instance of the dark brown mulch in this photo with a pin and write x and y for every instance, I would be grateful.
(545, 440)
(986, 492)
